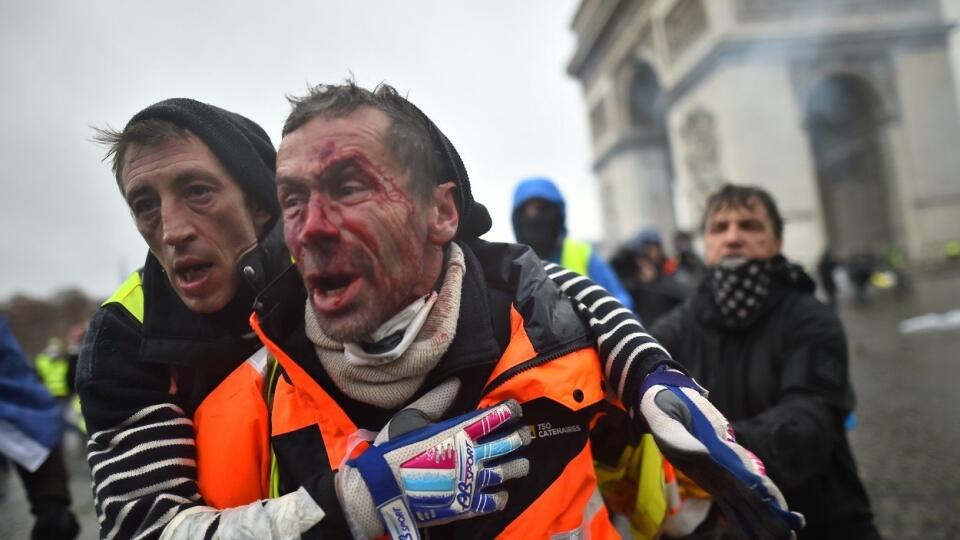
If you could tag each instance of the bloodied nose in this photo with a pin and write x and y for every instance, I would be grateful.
(317, 223)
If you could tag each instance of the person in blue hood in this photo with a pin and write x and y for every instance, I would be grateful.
(30, 431)
(539, 220)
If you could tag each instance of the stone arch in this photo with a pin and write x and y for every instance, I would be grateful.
(845, 122)
(641, 151)
(644, 98)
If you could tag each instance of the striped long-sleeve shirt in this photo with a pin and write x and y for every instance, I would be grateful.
(143, 462)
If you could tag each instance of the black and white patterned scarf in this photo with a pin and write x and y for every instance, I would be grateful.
(741, 288)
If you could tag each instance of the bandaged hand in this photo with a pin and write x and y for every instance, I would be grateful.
(696, 438)
(418, 474)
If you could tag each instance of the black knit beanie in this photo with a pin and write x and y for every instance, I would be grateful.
(474, 218)
(242, 146)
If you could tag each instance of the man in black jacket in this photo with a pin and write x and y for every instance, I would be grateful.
(775, 361)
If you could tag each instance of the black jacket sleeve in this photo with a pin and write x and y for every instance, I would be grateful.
(796, 436)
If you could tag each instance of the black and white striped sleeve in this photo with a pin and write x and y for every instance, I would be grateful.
(144, 472)
(142, 453)
(627, 351)
(144, 487)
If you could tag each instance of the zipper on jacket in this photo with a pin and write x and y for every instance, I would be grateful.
(536, 361)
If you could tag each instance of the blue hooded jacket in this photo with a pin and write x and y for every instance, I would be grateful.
(597, 269)
(24, 402)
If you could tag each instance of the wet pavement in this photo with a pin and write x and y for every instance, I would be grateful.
(15, 518)
(907, 438)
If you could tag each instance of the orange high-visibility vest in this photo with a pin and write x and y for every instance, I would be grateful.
(571, 505)
(232, 427)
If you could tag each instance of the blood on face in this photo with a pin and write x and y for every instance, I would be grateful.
(354, 222)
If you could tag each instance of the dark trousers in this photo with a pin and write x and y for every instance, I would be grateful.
(49, 495)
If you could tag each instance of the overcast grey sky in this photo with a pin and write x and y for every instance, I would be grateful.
(490, 74)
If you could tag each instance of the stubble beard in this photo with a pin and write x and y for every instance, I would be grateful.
(359, 322)
(371, 308)
(349, 328)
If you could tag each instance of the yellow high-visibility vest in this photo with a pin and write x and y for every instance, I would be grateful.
(575, 256)
(53, 372)
(130, 296)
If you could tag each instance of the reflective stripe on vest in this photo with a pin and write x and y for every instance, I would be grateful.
(567, 508)
(232, 429)
(130, 296)
(575, 256)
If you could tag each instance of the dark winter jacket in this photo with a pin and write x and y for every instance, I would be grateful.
(784, 383)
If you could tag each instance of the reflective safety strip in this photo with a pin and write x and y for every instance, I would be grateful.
(594, 504)
(575, 256)
(570, 504)
(130, 296)
(273, 375)
(78, 413)
(259, 361)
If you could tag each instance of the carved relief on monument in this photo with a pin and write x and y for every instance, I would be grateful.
(684, 25)
(701, 155)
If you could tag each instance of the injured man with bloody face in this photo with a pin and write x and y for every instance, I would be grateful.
(413, 323)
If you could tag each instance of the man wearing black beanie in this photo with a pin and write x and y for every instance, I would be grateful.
(199, 182)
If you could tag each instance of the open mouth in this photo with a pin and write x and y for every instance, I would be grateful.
(334, 284)
(330, 291)
(193, 273)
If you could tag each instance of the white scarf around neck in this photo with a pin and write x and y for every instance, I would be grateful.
(389, 383)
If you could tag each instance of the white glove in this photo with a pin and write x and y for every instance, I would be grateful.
(693, 435)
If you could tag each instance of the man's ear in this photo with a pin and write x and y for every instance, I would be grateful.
(444, 215)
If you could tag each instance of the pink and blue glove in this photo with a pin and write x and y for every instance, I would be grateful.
(418, 474)
(696, 438)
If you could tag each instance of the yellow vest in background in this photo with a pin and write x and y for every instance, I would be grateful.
(575, 255)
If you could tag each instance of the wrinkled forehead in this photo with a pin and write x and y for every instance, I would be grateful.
(170, 158)
(325, 136)
(734, 210)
